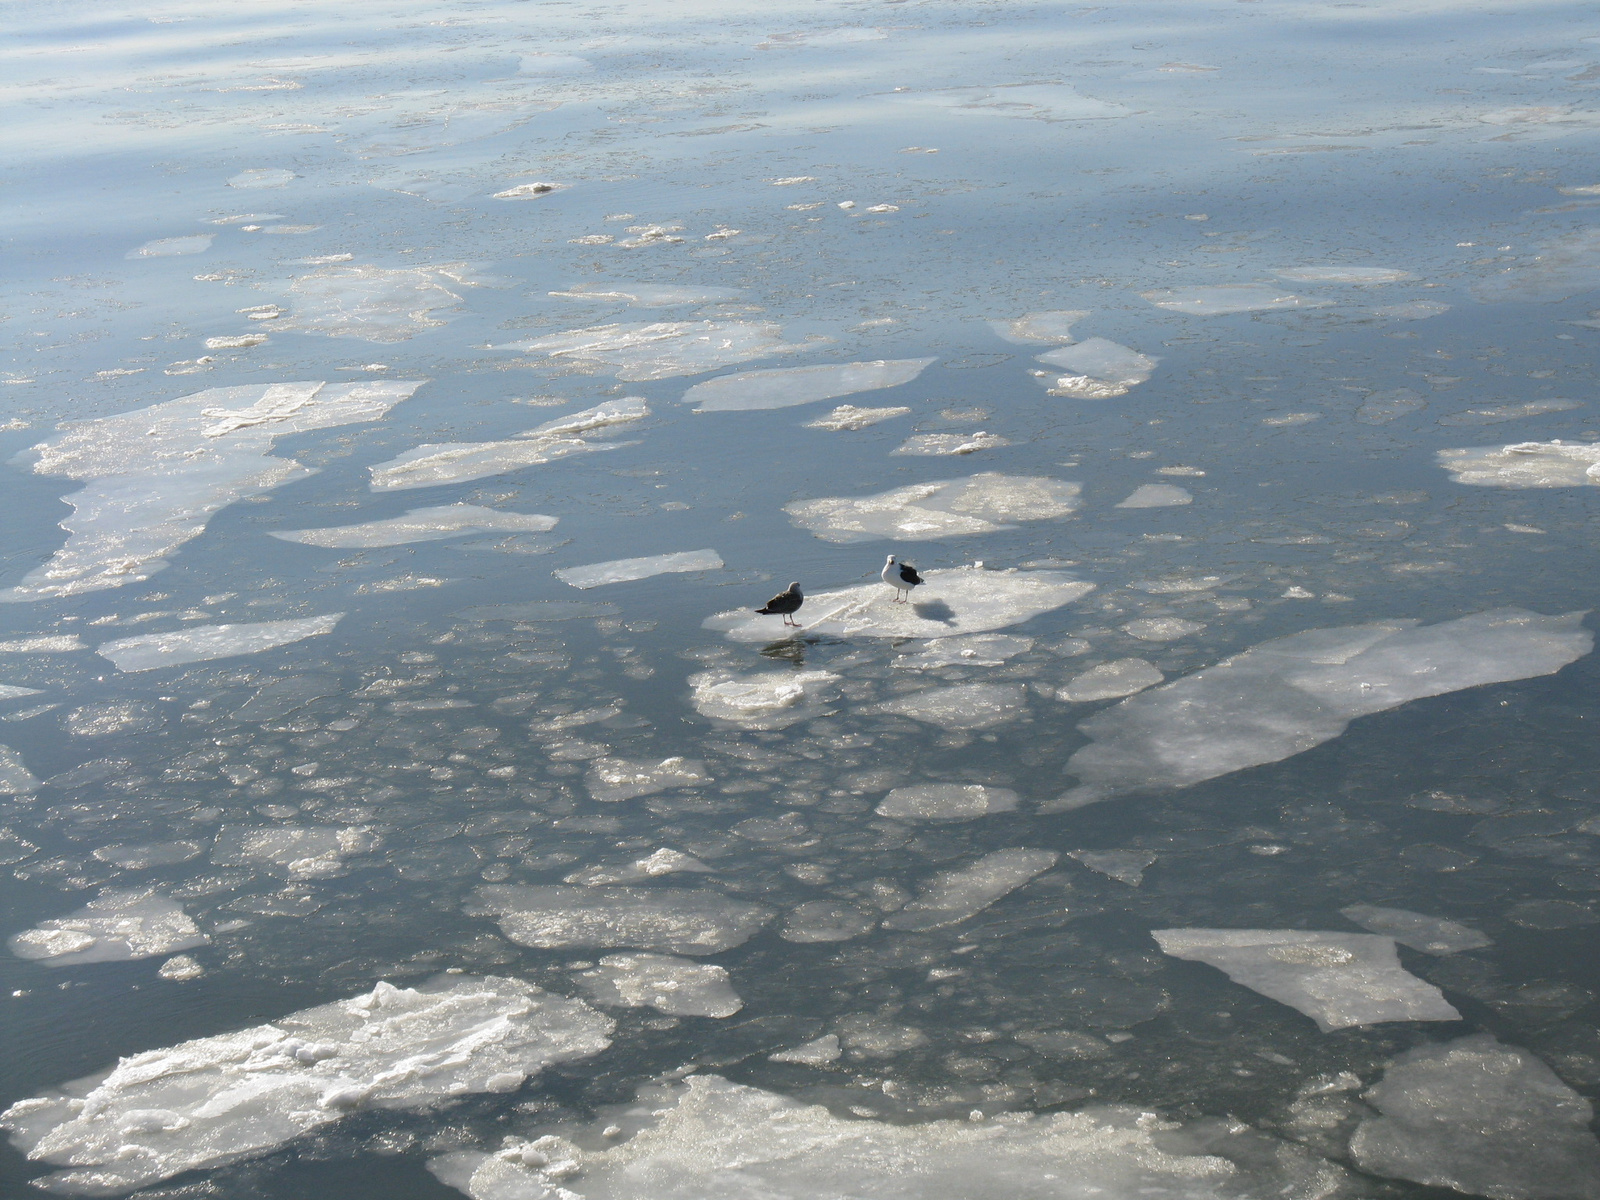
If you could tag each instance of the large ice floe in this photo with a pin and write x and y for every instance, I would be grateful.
(960, 706)
(1221, 299)
(789, 386)
(202, 643)
(659, 350)
(1098, 369)
(1431, 935)
(1336, 979)
(1525, 465)
(154, 476)
(767, 700)
(951, 897)
(116, 926)
(1290, 694)
(374, 304)
(960, 600)
(1055, 326)
(1480, 1118)
(214, 1100)
(420, 525)
(626, 570)
(670, 985)
(437, 463)
(941, 508)
(671, 920)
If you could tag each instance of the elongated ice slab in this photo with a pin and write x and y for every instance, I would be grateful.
(261, 177)
(655, 865)
(1157, 495)
(1050, 102)
(768, 700)
(15, 778)
(420, 525)
(201, 643)
(671, 920)
(963, 706)
(1112, 681)
(1125, 866)
(373, 304)
(648, 295)
(1290, 694)
(848, 416)
(1480, 1118)
(929, 445)
(113, 927)
(1053, 326)
(1431, 935)
(950, 897)
(195, 243)
(976, 650)
(613, 779)
(958, 601)
(1525, 465)
(215, 1100)
(1343, 274)
(1494, 414)
(789, 386)
(1228, 298)
(625, 570)
(670, 985)
(1336, 979)
(155, 475)
(659, 350)
(710, 1139)
(941, 508)
(1411, 310)
(946, 802)
(432, 464)
(12, 691)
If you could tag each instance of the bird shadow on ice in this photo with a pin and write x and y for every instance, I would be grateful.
(934, 610)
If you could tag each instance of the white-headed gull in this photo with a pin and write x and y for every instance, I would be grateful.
(902, 577)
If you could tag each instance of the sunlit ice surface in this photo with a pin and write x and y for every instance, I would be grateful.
(1218, 815)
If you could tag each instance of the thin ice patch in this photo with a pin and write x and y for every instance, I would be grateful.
(196, 243)
(1431, 935)
(625, 570)
(420, 525)
(648, 295)
(202, 643)
(943, 508)
(663, 982)
(1157, 495)
(671, 920)
(1098, 369)
(946, 802)
(659, 350)
(1229, 298)
(373, 304)
(951, 897)
(767, 700)
(1343, 274)
(114, 927)
(1055, 326)
(963, 706)
(786, 387)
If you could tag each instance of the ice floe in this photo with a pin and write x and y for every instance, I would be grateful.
(1411, 310)
(1125, 866)
(648, 295)
(709, 1137)
(262, 177)
(654, 865)
(1228, 298)
(946, 802)
(613, 779)
(1053, 326)
(1431, 935)
(671, 920)
(659, 350)
(930, 445)
(196, 243)
(975, 650)
(848, 416)
(1098, 369)
(1112, 681)
(1336, 979)
(420, 525)
(818, 1052)
(941, 508)
(15, 778)
(1525, 465)
(1379, 408)
(1494, 414)
(1343, 274)
(670, 985)
(202, 643)
(295, 851)
(215, 1100)
(1564, 267)
(1162, 629)
(961, 600)
(155, 475)
(789, 386)
(116, 926)
(769, 700)
(963, 706)
(1157, 495)
(1290, 694)
(825, 921)
(951, 897)
(373, 304)
(1481, 1118)
(625, 570)
(432, 464)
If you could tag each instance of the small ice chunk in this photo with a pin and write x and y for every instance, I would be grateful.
(300, 852)
(825, 921)
(195, 243)
(56, 644)
(1379, 408)
(1228, 298)
(648, 295)
(103, 720)
(671, 985)
(11, 691)
(1431, 935)
(141, 856)
(1125, 866)
(974, 650)
(933, 445)
(942, 508)
(1411, 310)
(1525, 465)
(15, 778)
(1099, 360)
(614, 779)
(202, 643)
(116, 926)
(789, 386)
(848, 416)
(526, 191)
(964, 706)
(262, 177)
(1162, 629)
(816, 1053)
(1336, 979)
(672, 920)
(951, 602)
(659, 350)
(950, 897)
(1111, 681)
(1343, 274)
(216, 1100)
(1481, 1118)
(420, 525)
(653, 866)
(946, 802)
(1157, 495)
(180, 968)
(768, 700)
(1053, 326)
(625, 570)
(1494, 414)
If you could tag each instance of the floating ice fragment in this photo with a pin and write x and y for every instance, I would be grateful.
(960, 601)
(1480, 1118)
(769, 700)
(825, 921)
(816, 1053)
(1414, 310)
(140, 856)
(1039, 326)
(299, 852)
(1379, 408)
(1565, 267)
(1125, 866)
(1525, 465)
(964, 706)
(847, 36)
(653, 866)
(197, 243)
(155, 475)
(526, 191)
(1228, 298)
(848, 416)
(102, 720)
(789, 386)
(1336, 979)
(374, 304)
(202, 643)
(613, 779)
(457, 462)
(638, 352)
(1162, 629)
(15, 778)
(1290, 694)
(1496, 413)
(648, 295)
(1098, 369)
(659, 981)
(262, 177)
(1111, 681)
(673, 920)
(941, 508)
(1050, 102)
(1431, 935)
(114, 927)
(625, 570)
(1343, 275)
(937, 444)
(420, 525)
(952, 896)
(946, 802)
(180, 968)
(237, 343)
(1157, 495)
(216, 1100)
(49, 644)
(975, 650)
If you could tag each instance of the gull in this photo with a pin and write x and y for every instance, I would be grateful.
(902, 577)
(785, 604)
